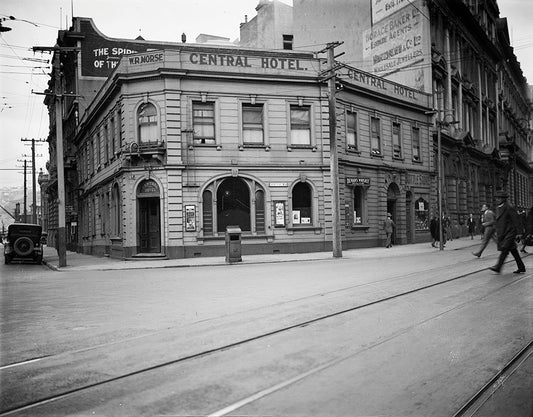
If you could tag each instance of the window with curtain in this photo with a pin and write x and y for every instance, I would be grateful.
(351, 130)
(375, 136)
(300, 125)
(203, 123)
(396, 140)
(147, 123)
(252, 124)
(415, 137)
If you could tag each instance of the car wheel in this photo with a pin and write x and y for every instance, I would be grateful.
(39, 259)
(23, 246)
(7, 259)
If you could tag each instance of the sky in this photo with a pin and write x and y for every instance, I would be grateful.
(23, 74)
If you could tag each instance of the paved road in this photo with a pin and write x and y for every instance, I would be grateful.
(87, 327)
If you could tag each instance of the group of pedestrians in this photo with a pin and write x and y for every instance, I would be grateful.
(507, 227)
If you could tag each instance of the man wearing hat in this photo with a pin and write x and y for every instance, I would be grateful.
(388, 226)
(507, 229)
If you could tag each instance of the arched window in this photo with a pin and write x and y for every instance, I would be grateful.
(302, 207)
(236, 204)
(207, 212)
(147, 123)
(233, 204)
(260, 211)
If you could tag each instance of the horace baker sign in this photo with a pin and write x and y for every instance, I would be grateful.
(396, 41)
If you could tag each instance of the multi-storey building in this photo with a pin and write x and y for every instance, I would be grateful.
(458, 51)
(174, 142)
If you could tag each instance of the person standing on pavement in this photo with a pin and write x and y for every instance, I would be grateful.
(507, 229)
(434, 230)
(471, 224)
(388, 226)
(488, 228)
(528, 229)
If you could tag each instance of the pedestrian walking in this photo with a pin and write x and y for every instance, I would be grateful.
(388, 226)
(507, 229)
(488, 228)
(448, 227)
(471, 224)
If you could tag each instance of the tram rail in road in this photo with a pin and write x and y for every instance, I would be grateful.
(12, 408)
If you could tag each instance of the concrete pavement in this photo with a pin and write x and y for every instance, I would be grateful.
(81, 262)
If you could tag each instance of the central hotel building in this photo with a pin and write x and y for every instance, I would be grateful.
(182, 140)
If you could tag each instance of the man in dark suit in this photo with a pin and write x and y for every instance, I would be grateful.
(507, 229)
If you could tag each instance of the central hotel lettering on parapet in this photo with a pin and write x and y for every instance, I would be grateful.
(348, 74)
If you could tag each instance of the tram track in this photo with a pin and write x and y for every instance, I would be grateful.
(67, 393)
(474, 404)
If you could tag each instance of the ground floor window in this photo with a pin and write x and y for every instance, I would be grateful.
(302, 208)
(359, 205)
(421, 214)
(239, 202)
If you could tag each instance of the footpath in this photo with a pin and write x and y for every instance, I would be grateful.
(81, 262)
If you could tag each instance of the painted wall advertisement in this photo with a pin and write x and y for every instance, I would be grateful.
(382, 9)
(396, 40)
(100, 55)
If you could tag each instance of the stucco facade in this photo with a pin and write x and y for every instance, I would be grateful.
(182, 141)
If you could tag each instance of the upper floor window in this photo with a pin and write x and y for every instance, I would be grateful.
(147, 123)
(300, 125)
(351, 130)
(396, 140)
(203, 123)
(252, 124)
(287, 42)
(415, 137)
(375, 136)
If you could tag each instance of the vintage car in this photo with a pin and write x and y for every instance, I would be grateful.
(23, 242)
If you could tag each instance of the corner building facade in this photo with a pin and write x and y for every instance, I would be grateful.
(182, 140)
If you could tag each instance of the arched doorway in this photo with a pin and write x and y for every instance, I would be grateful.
(233, 204)
(148, 218)
(393, 193)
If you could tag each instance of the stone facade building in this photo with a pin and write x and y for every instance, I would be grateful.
(167, 144)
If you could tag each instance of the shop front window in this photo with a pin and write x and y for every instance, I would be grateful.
(302, 204)
(358, 205)
(421, 214)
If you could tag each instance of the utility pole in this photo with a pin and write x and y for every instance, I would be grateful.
(334, 159)
(58, 95)
(34, 179)
(25, 189)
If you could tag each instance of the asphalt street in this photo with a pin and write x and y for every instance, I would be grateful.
(350, 336)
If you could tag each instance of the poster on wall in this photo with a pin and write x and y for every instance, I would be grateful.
(190, 218)
(296, 217)
(279, 211)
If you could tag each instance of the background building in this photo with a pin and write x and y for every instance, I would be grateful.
(459, 51)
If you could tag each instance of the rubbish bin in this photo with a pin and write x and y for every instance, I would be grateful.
(233, 244)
